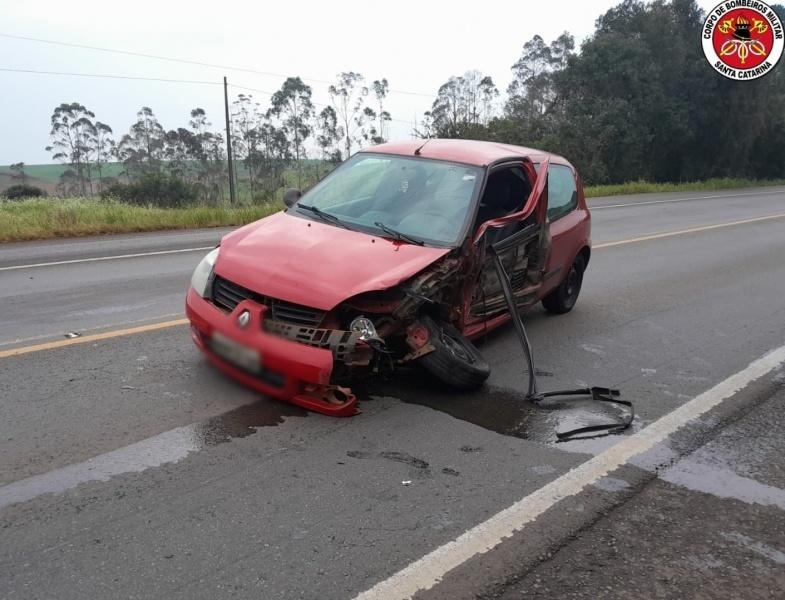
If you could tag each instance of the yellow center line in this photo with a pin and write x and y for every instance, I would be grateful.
(667, 234)
(173, 323)
(85, 339)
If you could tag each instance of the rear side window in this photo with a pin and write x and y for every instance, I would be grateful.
(562, 191)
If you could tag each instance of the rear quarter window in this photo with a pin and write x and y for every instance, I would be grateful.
(562, 191)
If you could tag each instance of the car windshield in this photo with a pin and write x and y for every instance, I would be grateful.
(411, 199)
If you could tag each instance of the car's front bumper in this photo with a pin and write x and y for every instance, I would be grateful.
(288, 370)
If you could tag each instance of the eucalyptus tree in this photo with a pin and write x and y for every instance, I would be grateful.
(73, 133)
(458, 107)
(180, 151)
(142, 149)
(271, 158)
(246, 117)
(532, 92)
(207, 153)
(292, 105)
(380, 89)
(104, 150)
(329, 135)
(348, 96)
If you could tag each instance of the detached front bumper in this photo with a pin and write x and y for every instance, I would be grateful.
(288, 370)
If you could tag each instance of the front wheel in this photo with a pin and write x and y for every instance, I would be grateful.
(455, 360)
(564, 297)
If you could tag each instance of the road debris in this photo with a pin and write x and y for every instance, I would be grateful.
(600, 394)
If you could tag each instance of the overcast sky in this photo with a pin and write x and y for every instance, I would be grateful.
(416, 45)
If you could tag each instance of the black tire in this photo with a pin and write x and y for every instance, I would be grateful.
(456, 361)
(563, 298)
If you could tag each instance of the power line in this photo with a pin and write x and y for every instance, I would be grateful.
(184, 61)
(108, 76)
(250, 89)
(157, 79)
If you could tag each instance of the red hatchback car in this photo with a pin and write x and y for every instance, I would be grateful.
(385, 262)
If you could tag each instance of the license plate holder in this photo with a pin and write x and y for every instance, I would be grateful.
(248, 359)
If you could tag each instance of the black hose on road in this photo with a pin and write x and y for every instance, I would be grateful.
(600, 394)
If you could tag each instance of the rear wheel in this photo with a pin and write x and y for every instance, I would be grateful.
(455, 360)
(564, 297)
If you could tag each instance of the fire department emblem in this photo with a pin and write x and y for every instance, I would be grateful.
(743, 39)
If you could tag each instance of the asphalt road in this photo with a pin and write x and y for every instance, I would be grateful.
(131, 469)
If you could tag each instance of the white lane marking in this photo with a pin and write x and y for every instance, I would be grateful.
(99, 258)
(429, 570)
(167, 447)
(593, 208)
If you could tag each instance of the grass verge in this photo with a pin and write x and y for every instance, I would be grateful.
(41, 218)
(645, 187)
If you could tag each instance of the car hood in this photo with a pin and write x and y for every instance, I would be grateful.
(315, 264)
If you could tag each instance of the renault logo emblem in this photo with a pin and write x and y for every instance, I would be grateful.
(244, 318)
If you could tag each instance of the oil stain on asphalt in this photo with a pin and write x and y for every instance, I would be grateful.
(505, 411)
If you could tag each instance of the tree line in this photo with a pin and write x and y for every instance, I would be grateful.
(266, 141)
(637, 101)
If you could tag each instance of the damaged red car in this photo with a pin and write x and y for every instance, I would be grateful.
(386, 262)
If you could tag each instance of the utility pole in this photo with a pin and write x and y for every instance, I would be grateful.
(232, 197)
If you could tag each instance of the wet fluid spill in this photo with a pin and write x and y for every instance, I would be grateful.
(702, 473)
(506, 411)
(167, 447)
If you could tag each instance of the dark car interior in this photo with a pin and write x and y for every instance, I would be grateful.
(505, 193)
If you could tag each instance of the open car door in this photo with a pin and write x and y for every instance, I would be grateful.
(524, 252)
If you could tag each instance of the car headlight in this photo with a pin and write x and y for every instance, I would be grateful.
(364, 326)
(202, 279)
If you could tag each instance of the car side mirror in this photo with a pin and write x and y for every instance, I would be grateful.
(291, 196)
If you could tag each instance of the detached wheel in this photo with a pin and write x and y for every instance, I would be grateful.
(456, 361)
(564, 297)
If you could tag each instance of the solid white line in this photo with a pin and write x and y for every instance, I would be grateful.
(593, 208)
(429, 570)
(167, 447)
(99, 258)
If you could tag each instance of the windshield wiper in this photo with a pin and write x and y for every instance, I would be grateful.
(324, 216)
(397, 235)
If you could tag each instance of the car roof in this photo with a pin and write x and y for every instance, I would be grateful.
(471, 152)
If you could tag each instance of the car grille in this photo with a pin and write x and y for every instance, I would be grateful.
(228, 295)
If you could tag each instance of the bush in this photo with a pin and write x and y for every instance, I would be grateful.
(22, 190)
(155, 189)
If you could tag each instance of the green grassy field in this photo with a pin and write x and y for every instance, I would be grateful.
(644, 187)
(50, 173)
(41, 218)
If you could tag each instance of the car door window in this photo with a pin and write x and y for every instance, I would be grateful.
(505, 193)
(562, 191)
